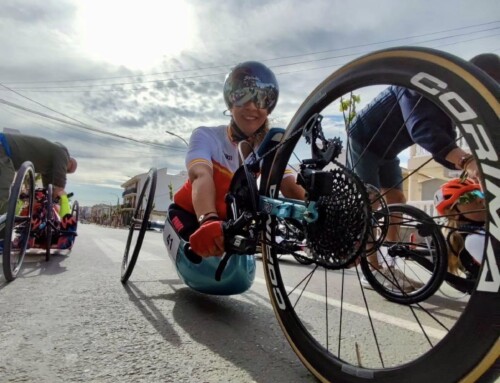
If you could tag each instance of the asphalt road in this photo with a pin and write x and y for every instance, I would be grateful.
(71, 320)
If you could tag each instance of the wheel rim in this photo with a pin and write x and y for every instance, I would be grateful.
(17, 230)
(138, 225)
(382, 356)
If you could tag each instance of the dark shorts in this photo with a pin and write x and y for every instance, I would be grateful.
(183, 221)
(374, 170)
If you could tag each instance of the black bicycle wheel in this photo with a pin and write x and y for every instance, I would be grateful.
(138, 225)
(49, 217)
(18, 220)
(75, 213)
(415, 262)
(339, 330)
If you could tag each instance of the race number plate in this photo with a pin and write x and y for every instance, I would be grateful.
(172, 240)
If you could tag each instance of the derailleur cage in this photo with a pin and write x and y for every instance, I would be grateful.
(328, 150)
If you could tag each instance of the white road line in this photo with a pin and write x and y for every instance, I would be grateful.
(399, 322)
(109, 248)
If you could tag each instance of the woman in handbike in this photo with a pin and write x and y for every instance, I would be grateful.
(250, 93)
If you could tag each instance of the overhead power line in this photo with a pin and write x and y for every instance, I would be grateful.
(269, 59)
(109, 86)
(90, 128)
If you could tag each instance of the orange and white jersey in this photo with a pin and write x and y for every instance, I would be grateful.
(212, 147)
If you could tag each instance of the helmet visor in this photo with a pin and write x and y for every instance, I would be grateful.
(263, 98)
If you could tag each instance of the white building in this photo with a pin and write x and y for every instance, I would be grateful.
(166, 186)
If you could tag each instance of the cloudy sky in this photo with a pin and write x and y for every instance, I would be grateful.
(108, 78)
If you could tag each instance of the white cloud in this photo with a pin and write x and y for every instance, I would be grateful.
(45, 43)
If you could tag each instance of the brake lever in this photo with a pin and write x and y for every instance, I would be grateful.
(233, 243)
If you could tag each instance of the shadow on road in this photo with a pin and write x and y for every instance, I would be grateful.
(34, 265)
(241, 330)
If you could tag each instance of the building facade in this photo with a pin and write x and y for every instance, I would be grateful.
(166, 186)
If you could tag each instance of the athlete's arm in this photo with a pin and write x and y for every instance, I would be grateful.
(290, 189)
(203, 189)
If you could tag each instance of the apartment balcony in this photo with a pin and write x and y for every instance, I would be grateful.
(129, 191)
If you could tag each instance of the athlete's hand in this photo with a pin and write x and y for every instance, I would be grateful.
(472, 170)
(208, 240)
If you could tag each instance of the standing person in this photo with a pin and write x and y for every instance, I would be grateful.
(250, 93)
(50, 159)
(404, 118)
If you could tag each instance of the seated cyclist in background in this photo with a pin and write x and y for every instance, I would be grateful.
(461, 203)
(50, 159)
(250, 93)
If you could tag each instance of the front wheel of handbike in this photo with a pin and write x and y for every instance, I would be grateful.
(138, 225)
(418, 251)
(344, 332)
(18, 224)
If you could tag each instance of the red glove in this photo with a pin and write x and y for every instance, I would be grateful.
(208, 240)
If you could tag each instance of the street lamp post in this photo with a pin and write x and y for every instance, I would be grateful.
(176, 135)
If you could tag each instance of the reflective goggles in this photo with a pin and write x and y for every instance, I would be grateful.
(263, 98)
(470, 197)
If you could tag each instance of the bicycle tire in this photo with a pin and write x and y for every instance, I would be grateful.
(471, 346)
(148, 191)
(49, 205)
(18, 226)
(75, 212)
(429, 270)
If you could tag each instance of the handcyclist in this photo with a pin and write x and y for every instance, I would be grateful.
(403, 118)
(250, 93)
(51, 159)
(461, 203)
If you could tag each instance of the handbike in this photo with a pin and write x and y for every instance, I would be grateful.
(337, 330)
(16, 223)
(47, 231)
(420, 251)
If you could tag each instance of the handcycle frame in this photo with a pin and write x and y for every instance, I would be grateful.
(247, 210)
(50, 221)
(18, 221)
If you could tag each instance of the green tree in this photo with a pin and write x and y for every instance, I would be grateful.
(348, 107)
(171, 191)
